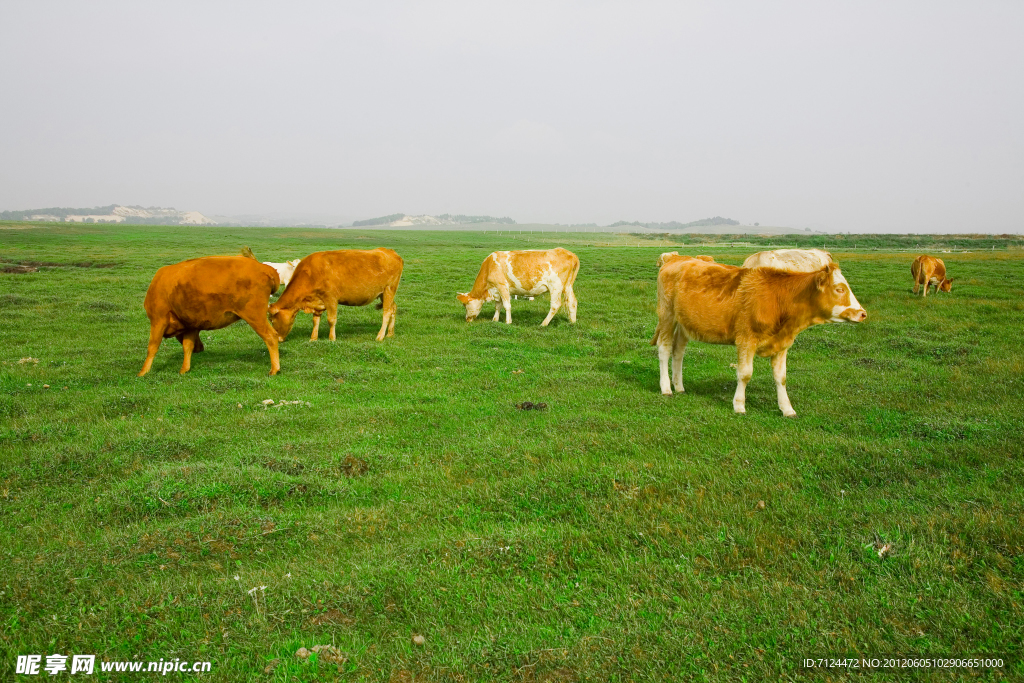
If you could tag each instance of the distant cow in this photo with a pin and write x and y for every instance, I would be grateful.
(526, 273)
(928, 271)
(284, 270)
(208, 294)
(792, 260)
(673, 255)
(759, 310)
(348, 277)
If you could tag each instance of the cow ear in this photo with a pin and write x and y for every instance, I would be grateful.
(463, 298)
(824, 278)
(273, 310)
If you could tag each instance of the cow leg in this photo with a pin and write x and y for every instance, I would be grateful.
(779, 371)
(679, 341)
(927, 284)
(744, 371)
(156, 336)
(497, 310)
(332, 319)
(506, 301)
(556, 303)
(917, 286)
(570, 296)
(268, 334)
(387, 325)
(664, 339)
(316, 327)
(394, 315)
(188, 342)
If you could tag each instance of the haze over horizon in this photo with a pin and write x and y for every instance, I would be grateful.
(873, 117)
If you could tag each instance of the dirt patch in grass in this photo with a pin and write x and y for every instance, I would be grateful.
(353, 467)
(331, 616)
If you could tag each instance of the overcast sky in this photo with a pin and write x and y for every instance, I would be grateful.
(857, 116)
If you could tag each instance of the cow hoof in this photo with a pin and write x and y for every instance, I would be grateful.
(791, 413)
(740, 410)
(666, 392)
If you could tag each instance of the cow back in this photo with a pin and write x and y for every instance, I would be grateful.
(352, 277)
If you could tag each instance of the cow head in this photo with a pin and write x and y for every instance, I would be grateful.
(946, 285)
(281, 319)
(837, 297)
(472, 305)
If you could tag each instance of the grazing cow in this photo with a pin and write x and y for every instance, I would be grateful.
(673, 255)
(208, 294)
(759, 310)
(792, 260)
(526, 273)
(347, 277)
(284, 270)
(928, 271)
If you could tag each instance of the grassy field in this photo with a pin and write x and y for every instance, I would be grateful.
(618, 535)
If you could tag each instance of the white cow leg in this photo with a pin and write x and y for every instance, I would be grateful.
(744, 371)
(497, 310)
(664, 353)
(679, 341)
(316, 327)
(571, 297)
(556, 303)
(506, 301)
(779, 371)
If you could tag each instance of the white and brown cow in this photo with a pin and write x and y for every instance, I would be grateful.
(526, 273)
(792, 260)
(759, 310)
(673, 255)
(284, 270)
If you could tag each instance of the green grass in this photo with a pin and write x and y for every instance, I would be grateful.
(615, 536)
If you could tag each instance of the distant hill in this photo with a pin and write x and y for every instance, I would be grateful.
(114, 213)
(675, 225)
(401, 220)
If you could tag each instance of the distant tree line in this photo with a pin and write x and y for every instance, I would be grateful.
(60, 212)
(930, 243)
(383, 220)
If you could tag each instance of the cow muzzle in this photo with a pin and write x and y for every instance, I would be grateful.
(851, 315)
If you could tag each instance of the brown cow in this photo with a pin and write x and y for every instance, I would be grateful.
(759, 310)
(527, 272)
(348, 277)
(208, 294)
(928, 271)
